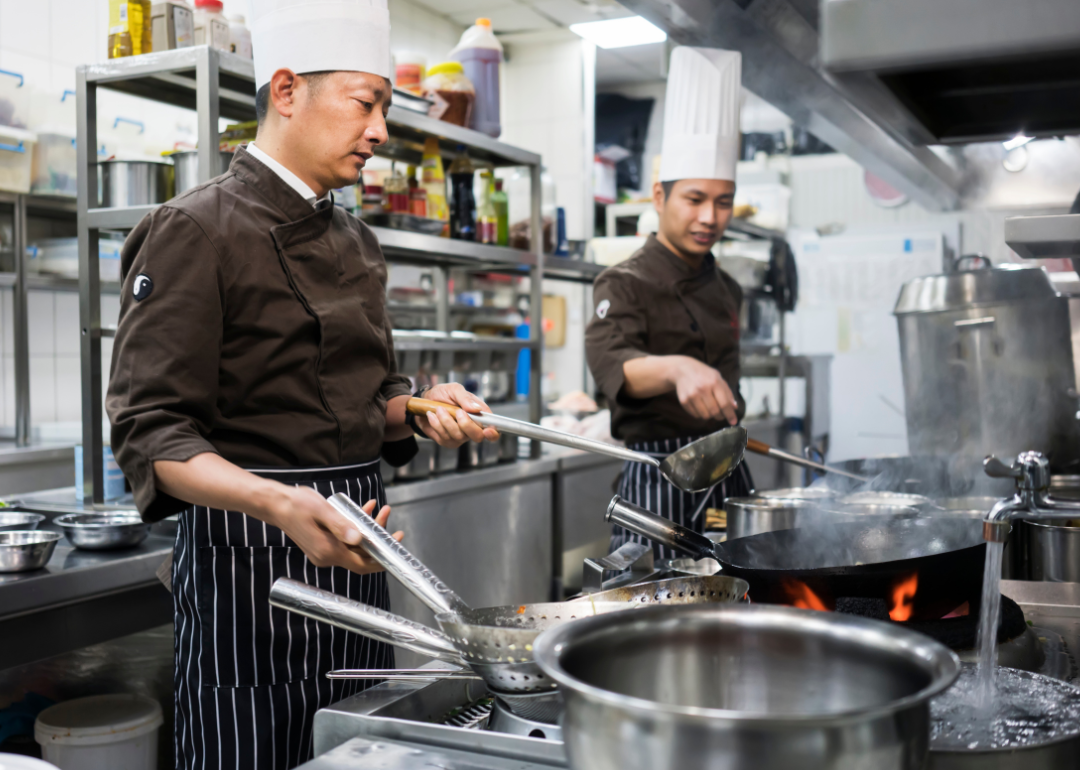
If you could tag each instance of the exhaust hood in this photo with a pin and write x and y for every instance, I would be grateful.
(959, 71)
(779, 42)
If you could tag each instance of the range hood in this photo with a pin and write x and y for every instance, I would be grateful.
(959, 71)
(780, 45)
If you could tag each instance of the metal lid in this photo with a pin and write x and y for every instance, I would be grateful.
(797, 493)
(968, 288)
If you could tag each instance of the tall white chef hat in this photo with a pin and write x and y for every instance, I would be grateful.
(320, 35)
(701, 114)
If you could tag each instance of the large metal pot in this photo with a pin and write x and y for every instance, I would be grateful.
(753, 515)
(135, 182)
(186, 164)
(744, 688)
(988, 366)
(1053, 552)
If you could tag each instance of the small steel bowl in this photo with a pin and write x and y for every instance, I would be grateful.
(25, 550)
(11, 521)
(103, 531)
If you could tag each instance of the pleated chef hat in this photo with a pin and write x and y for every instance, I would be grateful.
(320, 35)
(701, 115)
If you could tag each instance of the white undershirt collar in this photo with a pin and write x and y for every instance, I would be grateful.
(288, 177)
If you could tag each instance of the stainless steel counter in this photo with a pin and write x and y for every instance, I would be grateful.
(488, 532)
(82, 598)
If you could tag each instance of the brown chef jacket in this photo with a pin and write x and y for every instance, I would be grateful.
(656, 304)
(261, 334)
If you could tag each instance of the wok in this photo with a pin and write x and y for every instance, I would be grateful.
(938, 560)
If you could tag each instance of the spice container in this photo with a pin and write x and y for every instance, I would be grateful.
(452, 93)
(372, 200)
(418, 202)
(211, 26)
(409, 73)
(129, 28)
(397, 193)
(172, 25)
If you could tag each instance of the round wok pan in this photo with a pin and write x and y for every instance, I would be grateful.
(930, 566)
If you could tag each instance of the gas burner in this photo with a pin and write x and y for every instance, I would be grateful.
(503, 720)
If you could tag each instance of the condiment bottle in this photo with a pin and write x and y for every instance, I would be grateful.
(481, 55)
(397, 192)
(433, 180)
(129, 28)
(239, 36)
(501, 204)
(487, 223)
(463, 204)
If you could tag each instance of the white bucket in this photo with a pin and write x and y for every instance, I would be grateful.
(102, 732)
(19, 762)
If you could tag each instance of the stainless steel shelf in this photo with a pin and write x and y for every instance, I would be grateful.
(571, 269)
(417, 248)
(123, 218)
(43, 282)
(404, 343)
(1044, 237)
(408, 130)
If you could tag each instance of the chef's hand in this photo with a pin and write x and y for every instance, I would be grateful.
(324, 535)
(703, 392)
(446, 430)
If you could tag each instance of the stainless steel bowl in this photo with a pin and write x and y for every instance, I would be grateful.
(25, 550)
(103, 531)
(18, 520)
(797, 493)
(744, 686)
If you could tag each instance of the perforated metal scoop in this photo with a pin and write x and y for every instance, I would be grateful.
(696, 467)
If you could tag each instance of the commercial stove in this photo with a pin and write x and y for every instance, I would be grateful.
(457, 725)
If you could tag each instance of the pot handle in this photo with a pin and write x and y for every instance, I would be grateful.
(649, 525)
(421, 582)
(382, 626)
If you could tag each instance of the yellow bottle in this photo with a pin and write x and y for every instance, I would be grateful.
(129, 28)
(433, 180)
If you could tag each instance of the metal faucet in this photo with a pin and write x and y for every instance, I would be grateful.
(1032, 498)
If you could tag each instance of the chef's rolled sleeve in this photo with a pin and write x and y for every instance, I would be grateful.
(617, 333)
(394, 384)
(163, 385)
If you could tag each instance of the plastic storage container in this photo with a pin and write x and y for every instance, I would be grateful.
(55, 165)
(102, 732)
(409, 72)
(16, 159)
(211, 26)
(14, 99)
(452, 93)
(19, 762)
(481, 55)
(172, 25)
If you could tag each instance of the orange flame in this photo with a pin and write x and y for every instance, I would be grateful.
(802, 597)
(903, 598)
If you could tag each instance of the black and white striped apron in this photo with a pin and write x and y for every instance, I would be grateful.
(249, 677)
(643, 485)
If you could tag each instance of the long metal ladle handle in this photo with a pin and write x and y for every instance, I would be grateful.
(327, 607)
(761, 448)
(401, 674)
(421, 406)
(657, 528)
(396, 559)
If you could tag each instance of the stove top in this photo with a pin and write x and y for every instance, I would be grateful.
(452, 723)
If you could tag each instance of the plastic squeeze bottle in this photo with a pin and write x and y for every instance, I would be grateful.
(481, 55)
(433, 180)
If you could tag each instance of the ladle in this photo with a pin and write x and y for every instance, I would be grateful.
(761, 448)
(698, 466)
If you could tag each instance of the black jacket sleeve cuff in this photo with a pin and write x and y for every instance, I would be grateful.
(397, 453)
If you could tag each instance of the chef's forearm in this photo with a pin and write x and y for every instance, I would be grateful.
(209, 479)
(396, 429)
(651, 376)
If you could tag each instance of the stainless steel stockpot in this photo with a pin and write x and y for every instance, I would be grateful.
(186, 164)
(135, 182)
(744, 688)
(1053, 552)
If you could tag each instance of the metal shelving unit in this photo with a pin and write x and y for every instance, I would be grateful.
(218, 84)
(21, 281)
(1044, 237)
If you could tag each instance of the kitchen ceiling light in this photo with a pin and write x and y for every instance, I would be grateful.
(620, 33)
(1017, 141)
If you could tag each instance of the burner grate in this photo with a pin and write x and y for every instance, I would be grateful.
(473, 716)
